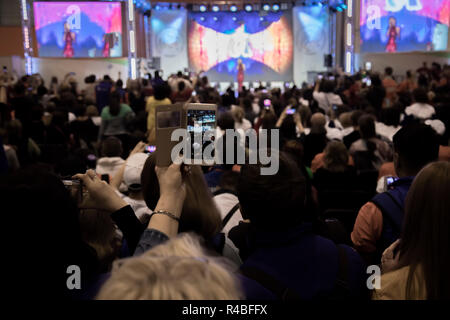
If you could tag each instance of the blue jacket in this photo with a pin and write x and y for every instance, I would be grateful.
(391, 204)
(305, 263)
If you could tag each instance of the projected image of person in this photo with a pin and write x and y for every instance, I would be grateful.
(240, 74)
(392, 33)
(69, 38)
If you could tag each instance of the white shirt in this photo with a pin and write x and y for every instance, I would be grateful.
(225, 202)
(420, 110)
(385, 131)
(326, 100)
(245, 125)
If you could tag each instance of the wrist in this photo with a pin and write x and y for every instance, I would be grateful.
(116, 204)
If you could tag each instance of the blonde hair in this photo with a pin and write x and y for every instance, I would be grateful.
(177, 270)
(238, 114)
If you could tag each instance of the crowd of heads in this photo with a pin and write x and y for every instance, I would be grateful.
(345, 135)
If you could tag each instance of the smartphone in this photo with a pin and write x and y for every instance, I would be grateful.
(267, 103)
(368, 66)
(388, 181)
(149, 149)
(331, 78)
(335, 107)
(320, 77)
(290, 111)
(201, 126)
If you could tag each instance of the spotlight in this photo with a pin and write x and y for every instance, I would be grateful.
(343, 6)
(202, 8)
(339, 9)
(266, 7)
(215, 8)
(202, 18)
(248, 7)
(276, 7)
(234, 18)
(215, 18)
(233, 8)
(157, 7)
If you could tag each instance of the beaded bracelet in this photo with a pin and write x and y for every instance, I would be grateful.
(171, 215)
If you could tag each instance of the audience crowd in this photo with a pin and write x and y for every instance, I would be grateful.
(363, 179)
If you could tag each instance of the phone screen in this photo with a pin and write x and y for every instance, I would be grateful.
(200, 124)
(390, 180)
(290, 111)
(150, 149)
(267, 102)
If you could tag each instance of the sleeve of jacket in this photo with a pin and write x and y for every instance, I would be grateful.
(130, 226)
(149, 239)
(368, 228)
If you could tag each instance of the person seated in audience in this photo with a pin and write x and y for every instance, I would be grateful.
(379, 221)
(408, 85)
(103, 92)
(83, 130)
(325, 96)
(376, 93)
(160, 97)
(354, 134)
(316, 140)
(284, 256)
(225, 198)
(182, 92)
(369, 152)
(336, 173)
(179, 269)
(420, 109)
(199, 212)
(130, 175)
(415, 267)
(111, 160)
(390, 123)
(390, 84)
(52, 227)
(115, 119)
(240, 122)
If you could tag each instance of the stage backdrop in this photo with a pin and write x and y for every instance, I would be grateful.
(311, 29)
(168, 39)
(282, 47)
(78, 29)
(217, 40)
(404, 25)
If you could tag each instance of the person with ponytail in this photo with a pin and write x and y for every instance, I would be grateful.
(416, 266)
(369, 152)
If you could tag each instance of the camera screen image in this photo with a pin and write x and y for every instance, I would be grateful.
(199, 123)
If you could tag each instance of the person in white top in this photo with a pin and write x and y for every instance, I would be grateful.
(323, 94)
(130, 175)
(420, 109)
(227, 201)
(389, 124)
(110, 162)
(240, 122)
